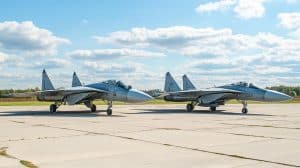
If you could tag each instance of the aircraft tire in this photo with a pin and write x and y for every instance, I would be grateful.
(245, 110)
(109, 112)
(93, 108)
(53, 108)
(212, 109)
(189, 107)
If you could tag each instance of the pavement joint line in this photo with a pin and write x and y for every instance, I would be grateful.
(249, 135)
(177, 146)
(267, 126)
(42, 138)
(19, 122)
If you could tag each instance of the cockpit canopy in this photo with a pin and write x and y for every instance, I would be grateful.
(245, 84)
(118, 84)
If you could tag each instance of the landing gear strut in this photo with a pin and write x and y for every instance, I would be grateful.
(212, 108)
(109, 108)
(244, 109)
(53, 108)
(93, 108)
(190, 107)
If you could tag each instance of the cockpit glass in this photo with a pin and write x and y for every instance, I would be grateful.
(251, 85)
(111, 82)
(118, 84)
(122, 85)
(244, 84)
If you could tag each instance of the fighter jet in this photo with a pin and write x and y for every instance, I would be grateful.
(109, 91)
(216, 96)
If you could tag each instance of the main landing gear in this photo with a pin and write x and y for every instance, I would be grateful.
(244, 109)
(109, 108)
(190, 107)
(53, 108)
(212, 108)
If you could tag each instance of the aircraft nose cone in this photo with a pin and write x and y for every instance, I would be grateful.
(137, 96)
(272, 95)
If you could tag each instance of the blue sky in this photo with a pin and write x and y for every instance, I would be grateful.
(213, 42)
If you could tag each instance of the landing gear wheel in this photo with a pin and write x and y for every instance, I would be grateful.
(109, 112)
(189, 107)
(53, 108)
(213, 109)
(93, 108)
(244, 110)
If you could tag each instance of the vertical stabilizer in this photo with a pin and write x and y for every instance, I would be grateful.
(170, 84)
(76, 81)
(187, 84)
(46, 82)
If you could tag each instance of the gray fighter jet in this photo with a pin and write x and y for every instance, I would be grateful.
(216, 96)
(108, 91)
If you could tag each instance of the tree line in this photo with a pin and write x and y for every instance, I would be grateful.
(289, 90)
(8, 92)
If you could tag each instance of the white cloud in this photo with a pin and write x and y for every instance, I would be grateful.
(289, 20)
(205, 43)
(176, 36)
(112, 68)
(28, 38)
(265, 69)
(112, 53)
(215, 6)
(291, 1)
(218, 53)
(47, 64)
(189, 41)
(3, 57)
(250, 9)
(244, 9)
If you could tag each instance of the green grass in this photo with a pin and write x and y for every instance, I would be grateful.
(155, 101)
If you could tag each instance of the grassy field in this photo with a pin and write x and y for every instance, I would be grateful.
(22, 102)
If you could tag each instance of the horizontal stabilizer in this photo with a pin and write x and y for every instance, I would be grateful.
(46, 82)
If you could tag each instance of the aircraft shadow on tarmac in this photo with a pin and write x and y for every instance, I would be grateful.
(98, 113)
(203, 112)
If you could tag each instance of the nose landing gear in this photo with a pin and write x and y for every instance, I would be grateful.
(244, 109)
(109, 108)
(93, 108)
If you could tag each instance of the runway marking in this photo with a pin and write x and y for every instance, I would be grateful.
(3, 152)
(176, 146)
(256, 125)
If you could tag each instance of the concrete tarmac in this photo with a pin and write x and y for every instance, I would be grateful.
(151, 136)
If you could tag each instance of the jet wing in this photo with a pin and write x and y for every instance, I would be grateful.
(206, 95)
(73, 95)
(202, 92)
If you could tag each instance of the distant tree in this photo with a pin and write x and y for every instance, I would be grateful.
(289, 90)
